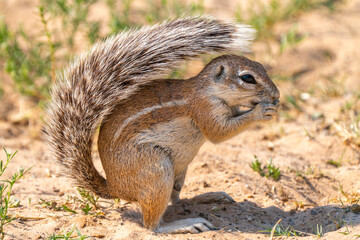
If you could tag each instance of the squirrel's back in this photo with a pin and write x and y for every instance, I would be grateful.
(112, 71)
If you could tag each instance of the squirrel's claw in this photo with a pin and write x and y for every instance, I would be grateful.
(189, 225)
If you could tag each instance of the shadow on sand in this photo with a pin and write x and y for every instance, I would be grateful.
(248, 217)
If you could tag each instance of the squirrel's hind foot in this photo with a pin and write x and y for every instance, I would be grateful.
(189, 225)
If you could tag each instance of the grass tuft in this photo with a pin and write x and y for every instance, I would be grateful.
(268, 171)
(319, 231)
(281, 230)
(66, 235)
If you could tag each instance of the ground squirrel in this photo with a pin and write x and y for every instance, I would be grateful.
(151, 128)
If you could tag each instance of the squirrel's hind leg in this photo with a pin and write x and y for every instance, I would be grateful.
(157, 174)
(178, 184)
(157, 177)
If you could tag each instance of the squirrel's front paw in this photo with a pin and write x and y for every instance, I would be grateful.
(266, 111)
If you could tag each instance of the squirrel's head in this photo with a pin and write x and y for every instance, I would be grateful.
(239, 81)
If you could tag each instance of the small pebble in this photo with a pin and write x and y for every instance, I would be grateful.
(305, 96)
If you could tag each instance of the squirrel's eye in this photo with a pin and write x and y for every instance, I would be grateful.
(248, 78)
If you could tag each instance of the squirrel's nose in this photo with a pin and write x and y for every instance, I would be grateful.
(276, 102)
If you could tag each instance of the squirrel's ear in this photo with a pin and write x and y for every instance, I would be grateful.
(219, 72)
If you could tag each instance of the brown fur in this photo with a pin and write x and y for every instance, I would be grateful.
(152, 148)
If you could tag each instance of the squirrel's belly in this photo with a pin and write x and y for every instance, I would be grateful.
(179, 135)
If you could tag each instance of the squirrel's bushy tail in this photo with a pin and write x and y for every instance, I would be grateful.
(112, 71)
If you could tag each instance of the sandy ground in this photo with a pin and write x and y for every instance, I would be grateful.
(326, 64)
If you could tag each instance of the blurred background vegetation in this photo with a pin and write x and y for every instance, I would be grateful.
(32, 60)
(32, 56)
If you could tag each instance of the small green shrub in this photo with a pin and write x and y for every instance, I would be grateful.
(120, 18)
(163, 9)
(87, 209)
(88, 197)
(5, 191)
(73, 16)
(28, 64)
(291, 38)
(32, 63)
(268, 171)
(256, 166)
(263, 16)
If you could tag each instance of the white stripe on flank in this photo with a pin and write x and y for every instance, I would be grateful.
(146, 111)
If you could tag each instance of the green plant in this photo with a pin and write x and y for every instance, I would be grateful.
(31, 60)
(337, 163)
(267, 171)
(52, 205)
(347, 232)
(88, 197)
(308, 134)
(351, 198)
(291, 38)
(51, 44)
(348, 125)
(256, 166)
(120, 18)
(339, 222)
(74, 202)
(263, 16)
(330, 4)
(157, 11)
(281, 230)
(87, 204)
(334, 163)
(162, 9)
(291, 100)
(5, 191)
(73, 16)
(66, 208)
(87, 209)
(319, 231)
(273, 171)
(28, 64)
(67, 235)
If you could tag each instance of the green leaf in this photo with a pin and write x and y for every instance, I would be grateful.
(68, 209)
